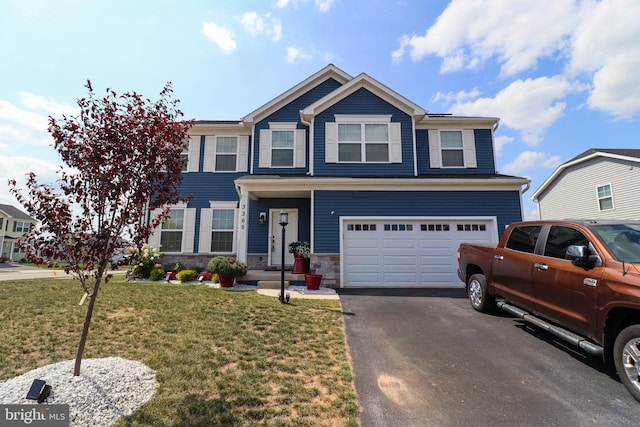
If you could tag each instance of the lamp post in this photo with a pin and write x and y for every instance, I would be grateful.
(284, 220)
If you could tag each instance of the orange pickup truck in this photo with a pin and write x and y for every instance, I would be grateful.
(578, 280)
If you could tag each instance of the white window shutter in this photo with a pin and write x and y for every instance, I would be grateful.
(434, 149)
(189, 230)
(331, 142)
(300, 150)
(395, 143)
(243, 153)
(205, 231)
(209, 153)
(154, 238)
(194, 153)
(265, 148)
(469, 143)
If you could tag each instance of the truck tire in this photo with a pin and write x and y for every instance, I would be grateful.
(626, 357)
(479, 297)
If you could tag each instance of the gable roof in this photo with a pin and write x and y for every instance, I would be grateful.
(373, 86)
(632, 155)
(328, 72)
(15, 213)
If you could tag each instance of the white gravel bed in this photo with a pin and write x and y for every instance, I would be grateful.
(106, 390)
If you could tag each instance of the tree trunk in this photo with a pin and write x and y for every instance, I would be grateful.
(85, 330)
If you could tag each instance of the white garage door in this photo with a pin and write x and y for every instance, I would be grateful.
(399, 252)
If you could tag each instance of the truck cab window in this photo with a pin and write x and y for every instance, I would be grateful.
(524, 238)
(562, 237)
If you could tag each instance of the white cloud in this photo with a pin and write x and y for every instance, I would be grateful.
(56, 109)
(531, 214)
(16, 167)
(321, 5)
(530, 106)
(221, 36)
(528, 160)
(460, 96)
(296, 54)
(606, 44)
(517, 34)
(21, 126)
(500, 141)
(255, 25)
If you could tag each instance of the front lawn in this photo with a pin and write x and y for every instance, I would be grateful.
(221, 357)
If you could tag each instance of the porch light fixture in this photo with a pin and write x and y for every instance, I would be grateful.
(262, 218)
(283, 221)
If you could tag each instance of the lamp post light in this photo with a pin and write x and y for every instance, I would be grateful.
(284, 220)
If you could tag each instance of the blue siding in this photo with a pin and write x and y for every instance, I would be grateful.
(503, 204)
(363, 102)
(259, 233)
(291, 113)
(484, 155)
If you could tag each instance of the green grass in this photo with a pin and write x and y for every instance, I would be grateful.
(221, 358)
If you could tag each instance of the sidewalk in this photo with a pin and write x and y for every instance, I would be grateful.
(15, 271)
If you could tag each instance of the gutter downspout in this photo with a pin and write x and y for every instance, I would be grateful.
(311, 135)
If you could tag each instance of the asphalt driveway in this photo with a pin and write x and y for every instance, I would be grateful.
(425, 357)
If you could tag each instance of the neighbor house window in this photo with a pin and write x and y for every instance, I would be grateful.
(226, 153)
(452, 148)
(605, 197)
(282, 145)
(222, 226)
(184, 156)
(363, 142)
(171, 232)
(21, 226)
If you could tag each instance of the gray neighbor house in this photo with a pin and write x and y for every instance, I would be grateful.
(383, 190)
(600, 183)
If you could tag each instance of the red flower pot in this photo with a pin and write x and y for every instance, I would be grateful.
(313, 281)
(226, 282)
(299, 264)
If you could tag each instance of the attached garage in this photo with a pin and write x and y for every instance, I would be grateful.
(408, 251)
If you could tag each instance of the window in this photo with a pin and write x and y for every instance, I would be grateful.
(605, 197)
(226, 150)
(171, 232)
(283, 145)
(1, 223)
(282, 148)
(361, 227)
(524, 238)
(21, 226)
(398, 227)
(471, 227)
(560, 238)
(222, 226)
(363, 142)
(184, 156)
(452, 148)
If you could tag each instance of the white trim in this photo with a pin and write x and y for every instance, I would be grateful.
(358, 118)
(299, 145)
(282, 125)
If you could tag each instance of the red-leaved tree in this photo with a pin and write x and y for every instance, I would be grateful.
(123, 159)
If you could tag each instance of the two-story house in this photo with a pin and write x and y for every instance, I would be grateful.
(383, 190)
(13, 224)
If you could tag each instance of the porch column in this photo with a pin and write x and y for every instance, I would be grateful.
(243, 227)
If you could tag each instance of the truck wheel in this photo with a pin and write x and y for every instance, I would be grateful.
(478, 295)
(626, 356)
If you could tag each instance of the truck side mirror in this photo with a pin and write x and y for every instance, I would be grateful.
(580, 255)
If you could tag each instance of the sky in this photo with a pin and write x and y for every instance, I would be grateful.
(563, 76)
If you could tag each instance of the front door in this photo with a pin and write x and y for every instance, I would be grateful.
(275, 234)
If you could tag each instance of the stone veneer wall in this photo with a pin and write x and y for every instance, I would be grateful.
(189, 261)
(329, 266)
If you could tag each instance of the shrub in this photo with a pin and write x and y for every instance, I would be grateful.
(187, 275)
(157, 274)
(227, 266)
(179, 267)
(144, 260)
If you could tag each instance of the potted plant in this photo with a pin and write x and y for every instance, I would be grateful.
(227, 269)
(313, 281)
(301, 251)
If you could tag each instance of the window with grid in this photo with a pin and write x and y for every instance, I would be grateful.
(184, 156)
(222, 226)
(363, 142)
(282, 143)
(226, 153)
(171, 232)
(452, 148)
(605, 197)
(21, 226)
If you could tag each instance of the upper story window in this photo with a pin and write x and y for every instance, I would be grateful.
(226, 153)
(605, 197)
(21, 226)
(363, 139)
(452, 148)
(184, 157)
(282, 146)
(171, 232)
